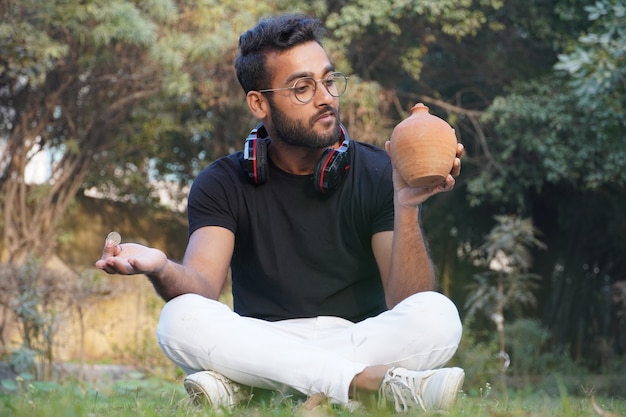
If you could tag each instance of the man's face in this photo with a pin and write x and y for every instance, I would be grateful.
(314, 124)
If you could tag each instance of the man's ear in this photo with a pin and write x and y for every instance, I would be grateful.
(258, 104)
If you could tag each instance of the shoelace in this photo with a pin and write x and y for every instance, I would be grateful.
(399, 390)
(230, 388)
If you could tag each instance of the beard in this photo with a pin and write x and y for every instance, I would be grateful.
(294, 132)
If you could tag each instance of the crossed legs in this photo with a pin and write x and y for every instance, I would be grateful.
(321, 354)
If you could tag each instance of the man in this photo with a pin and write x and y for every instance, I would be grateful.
(332, 280)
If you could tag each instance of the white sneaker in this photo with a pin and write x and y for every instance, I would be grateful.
(208, 388)
(433, 390)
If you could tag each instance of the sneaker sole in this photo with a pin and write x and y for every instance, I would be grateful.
(196, 393)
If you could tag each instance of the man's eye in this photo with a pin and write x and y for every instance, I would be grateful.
(302, 87)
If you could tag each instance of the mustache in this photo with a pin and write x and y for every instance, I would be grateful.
(329, 109)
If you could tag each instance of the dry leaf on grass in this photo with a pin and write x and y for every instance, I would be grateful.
(313, 401)
(600, 410)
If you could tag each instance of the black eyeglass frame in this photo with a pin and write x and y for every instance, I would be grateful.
(325, 82)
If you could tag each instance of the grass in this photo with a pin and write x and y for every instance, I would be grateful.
(157, 397)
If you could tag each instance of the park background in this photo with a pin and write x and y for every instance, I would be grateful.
(108, 110)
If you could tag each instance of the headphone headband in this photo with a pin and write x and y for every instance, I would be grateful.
(330, 171)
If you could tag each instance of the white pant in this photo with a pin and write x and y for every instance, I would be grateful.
(312, 355)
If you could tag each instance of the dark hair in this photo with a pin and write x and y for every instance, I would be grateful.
(276, 33)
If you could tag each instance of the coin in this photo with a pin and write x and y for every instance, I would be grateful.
(115, 237)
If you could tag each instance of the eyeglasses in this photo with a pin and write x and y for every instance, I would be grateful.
(305, 88)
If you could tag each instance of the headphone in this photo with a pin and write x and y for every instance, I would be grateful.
(330, 171)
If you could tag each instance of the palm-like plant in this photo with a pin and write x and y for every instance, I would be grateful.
(506, 255)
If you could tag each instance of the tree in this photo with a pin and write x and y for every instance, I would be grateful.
(71, 73)
(596, 61)
(556, 152)
(126, 92)
(506, 284)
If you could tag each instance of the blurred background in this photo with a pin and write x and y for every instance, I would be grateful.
(108, 110)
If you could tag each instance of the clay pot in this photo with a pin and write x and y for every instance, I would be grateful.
(423, 148)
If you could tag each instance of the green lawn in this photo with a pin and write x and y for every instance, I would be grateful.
(152, 397)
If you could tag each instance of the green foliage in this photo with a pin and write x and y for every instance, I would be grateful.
(359, 109)
(532, 353)
(564, 128)
(27, 52)
(38, 298)
(511, 236)
(505, 285)
(22, 360)
(125, 93)
(477, 355)
(541, 137)
(456, 18)
(19, 383)
(506, 253)
(596, 62)
(537, 365)
(120, 21)
(483, 294)
(70, 74)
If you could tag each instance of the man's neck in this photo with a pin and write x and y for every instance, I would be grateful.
(294, 159)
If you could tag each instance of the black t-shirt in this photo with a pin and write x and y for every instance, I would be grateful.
(299, 253)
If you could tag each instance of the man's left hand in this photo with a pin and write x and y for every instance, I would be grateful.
(414, 196)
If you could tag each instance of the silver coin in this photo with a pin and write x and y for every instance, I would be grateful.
(115, 237)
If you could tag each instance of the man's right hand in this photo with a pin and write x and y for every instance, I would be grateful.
(131, 258)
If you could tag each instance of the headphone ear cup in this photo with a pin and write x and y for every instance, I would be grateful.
(331, 170)
(262, 168)
(255, 159)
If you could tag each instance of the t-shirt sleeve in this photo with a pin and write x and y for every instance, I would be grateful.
(212, 197)
(383, 219)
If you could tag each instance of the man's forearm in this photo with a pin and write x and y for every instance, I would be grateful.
(175, 279)
(411, 267)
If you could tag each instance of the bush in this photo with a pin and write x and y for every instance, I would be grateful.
(38, 298)
(535, 363)
(477, 355)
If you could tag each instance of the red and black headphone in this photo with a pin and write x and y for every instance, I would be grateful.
(330, 171)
